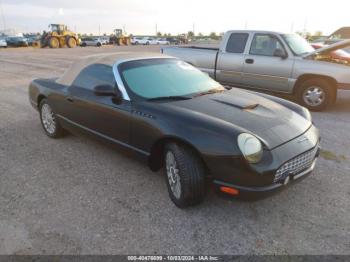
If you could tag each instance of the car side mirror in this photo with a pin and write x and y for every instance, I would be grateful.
(280, 53)
(104, 90)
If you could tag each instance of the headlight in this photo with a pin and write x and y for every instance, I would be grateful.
(250, 147)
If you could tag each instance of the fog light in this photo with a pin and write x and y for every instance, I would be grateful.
(229, 190)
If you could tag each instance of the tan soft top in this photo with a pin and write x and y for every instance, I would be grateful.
(107, 59)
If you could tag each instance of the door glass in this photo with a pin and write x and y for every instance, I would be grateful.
(265, 45)
(236, 43)
(93, 75)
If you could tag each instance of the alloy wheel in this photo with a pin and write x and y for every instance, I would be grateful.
(314, 96)
(48, 119)
(173, 174)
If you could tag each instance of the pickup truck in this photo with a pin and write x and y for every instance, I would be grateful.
(274, 62)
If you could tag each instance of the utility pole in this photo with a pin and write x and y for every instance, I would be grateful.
(156, 29)
(3, 15)
(193, 29)
(99, 30)
(305, 25)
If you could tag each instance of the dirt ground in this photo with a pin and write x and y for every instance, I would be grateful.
(77, 196)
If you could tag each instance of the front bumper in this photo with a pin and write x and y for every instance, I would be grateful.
(280, 165)
(271, 187)
(344, 86)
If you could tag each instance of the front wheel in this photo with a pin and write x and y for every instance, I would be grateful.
(71, 42)
(185, 175)
(54, 43)
(49, 121)
(315, 94)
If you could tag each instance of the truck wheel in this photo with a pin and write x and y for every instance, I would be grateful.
(49, 121)
(185, 175)
(54, 43)
(315, 94)
(71, 42)
(98, 45)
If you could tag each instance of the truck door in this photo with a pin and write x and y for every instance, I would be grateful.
(267, 65)
(230, 61)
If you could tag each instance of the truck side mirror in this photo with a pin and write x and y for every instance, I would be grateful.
(280, 53)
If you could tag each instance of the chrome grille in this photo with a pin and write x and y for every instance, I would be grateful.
(297, 164)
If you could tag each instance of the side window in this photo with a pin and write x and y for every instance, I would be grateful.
(236, 43)
(265, 45)
(93, 75)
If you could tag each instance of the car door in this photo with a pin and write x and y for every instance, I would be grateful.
(263, 69)
(230, 61)
(98, 114)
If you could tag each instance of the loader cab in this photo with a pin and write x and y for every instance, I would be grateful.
(58, 28)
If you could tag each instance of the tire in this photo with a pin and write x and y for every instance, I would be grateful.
(98, 45)
(49, 121)
(54, 43)
(315, 94)
(136, 43)
(71, 42)
(185, 175)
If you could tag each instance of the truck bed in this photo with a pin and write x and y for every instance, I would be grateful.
(204, 58)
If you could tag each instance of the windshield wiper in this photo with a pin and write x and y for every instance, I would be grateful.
(170, 98)
(211, 91)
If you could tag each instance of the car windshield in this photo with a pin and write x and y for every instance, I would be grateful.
(153, 78)
(297, 44)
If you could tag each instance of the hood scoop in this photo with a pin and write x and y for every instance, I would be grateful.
(240, 103)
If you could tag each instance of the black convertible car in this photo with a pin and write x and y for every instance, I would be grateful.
(178, 118)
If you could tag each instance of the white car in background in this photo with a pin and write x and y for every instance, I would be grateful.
(3, 43)
(160, 41)
(91, 41)
(144, 41)
(136, 40)
(104, 40)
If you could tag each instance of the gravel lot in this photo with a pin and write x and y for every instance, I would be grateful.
(77, 196)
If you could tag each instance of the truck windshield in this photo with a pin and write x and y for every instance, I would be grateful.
(297, 44)
(155, 78)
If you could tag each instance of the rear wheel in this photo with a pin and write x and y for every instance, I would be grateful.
(54, 42)
(315, 94)
(71, 42)
(98, 44)
(185, 175)
(49, 121)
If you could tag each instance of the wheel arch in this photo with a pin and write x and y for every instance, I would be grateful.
(301, 79)
(156, 157)
(40, 98)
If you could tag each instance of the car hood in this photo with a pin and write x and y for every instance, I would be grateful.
(271, 122)
(329, 48)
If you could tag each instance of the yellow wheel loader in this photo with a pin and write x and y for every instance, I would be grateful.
(119, 38)
(58, 36)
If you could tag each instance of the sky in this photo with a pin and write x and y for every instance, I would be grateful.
(142, 17)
